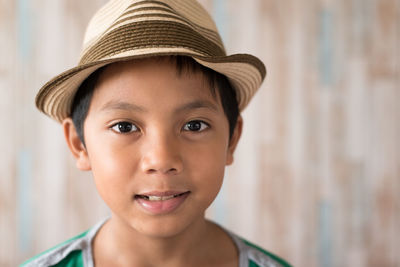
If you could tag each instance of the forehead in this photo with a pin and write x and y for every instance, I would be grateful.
(150, 81)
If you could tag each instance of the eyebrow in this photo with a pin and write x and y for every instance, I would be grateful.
(197, 104)
(122, 105)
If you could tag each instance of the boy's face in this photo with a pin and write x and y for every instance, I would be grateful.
(157, 144)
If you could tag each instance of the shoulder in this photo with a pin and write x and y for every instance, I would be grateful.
(254, 256)
(75, 252)
(68, 253)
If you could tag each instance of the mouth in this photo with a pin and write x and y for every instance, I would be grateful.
(158, 203)
(160, 197)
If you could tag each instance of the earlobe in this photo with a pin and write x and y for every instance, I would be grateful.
(237, 132)
(75, 145)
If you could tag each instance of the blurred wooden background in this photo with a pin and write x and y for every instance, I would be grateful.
(316, 177)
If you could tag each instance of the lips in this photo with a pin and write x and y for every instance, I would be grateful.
(161, 202)
(159, 196)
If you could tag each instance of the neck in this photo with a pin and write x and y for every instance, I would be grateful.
(118, 240)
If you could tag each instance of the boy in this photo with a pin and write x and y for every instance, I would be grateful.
(152, 110)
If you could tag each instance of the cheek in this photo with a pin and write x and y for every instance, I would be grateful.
(208, 167)
(108, 155)
(112, 170)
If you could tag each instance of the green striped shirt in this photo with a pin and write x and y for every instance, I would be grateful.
(77, 252)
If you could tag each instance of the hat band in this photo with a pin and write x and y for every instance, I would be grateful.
(163, 12)
(150, 34)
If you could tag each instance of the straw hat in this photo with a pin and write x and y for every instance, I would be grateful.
(127, 29)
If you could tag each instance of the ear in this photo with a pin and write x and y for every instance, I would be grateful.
(237, 132)
(75, 145)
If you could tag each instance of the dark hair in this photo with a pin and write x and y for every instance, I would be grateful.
(218, 83)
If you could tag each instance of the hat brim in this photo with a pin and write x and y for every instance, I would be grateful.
(245, 72)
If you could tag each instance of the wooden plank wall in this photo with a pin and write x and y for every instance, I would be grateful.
(316, 175)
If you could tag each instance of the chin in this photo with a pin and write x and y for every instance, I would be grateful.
(166, 226)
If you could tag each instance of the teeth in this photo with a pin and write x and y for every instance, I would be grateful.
(158, 198)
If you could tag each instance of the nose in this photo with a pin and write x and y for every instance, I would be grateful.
(161, 154)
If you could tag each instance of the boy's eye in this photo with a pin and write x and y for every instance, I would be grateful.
(195, 126)
(124, 127)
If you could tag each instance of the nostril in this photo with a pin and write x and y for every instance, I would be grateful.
(151, 171)
(171, 170)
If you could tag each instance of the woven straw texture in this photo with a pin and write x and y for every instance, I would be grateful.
(128, 29)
